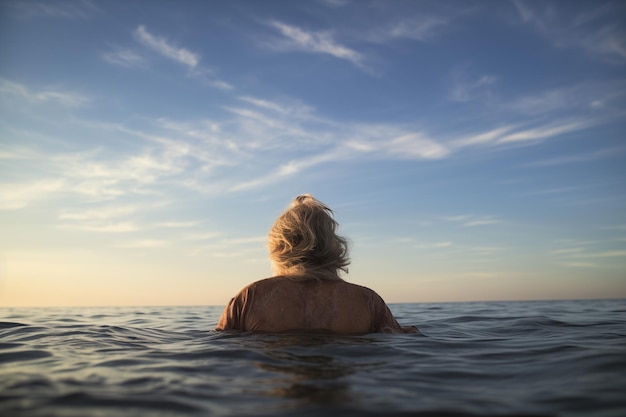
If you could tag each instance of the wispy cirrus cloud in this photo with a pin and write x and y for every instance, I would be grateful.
(295, 38)
(415, 146)
(165, 48)
(288, 169)
(125, 58)
(381, 143)
(434, 245)
(335, 3)
(233, 247)
(101, 213)
(108, 227)
(464, 90)
(370, 141)
(272, 140)
(265, 104)
(578, 158)
(579, 264)
(51, 95)
(590, 253)
(202, 236)
(117, 218)
(57, 9)
(142, 244)
(420, 28)
(283, 126)
(517, 133)
(101, 219)
(605, 95)
(490, 136)
(605, 254)
(91, 176)
(177, 224)
(14, 196)
(545, 131)
(599, 29)
(472, 220)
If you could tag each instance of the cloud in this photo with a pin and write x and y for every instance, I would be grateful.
(107, 227)
(421, 29)
(403, 146)
(65, 98)
(469, 90)
(335, 3)
(234, 247)
(597, 96)
(598, 30)
(314, 42)
(557, 190)
(581, 253)
(435, 245)
(470, 220)
(481, 222)
(516, 133)
(163, 47)
(291, 168)
(202, 236)
(417, 29)
(609, 254)
(124, 58)
(57, 9)
(416, 146)
(567, 251)
(487, 137)
(208, 77)
(17, 196)
(130, 59)
(114, 218)
(544, 102)
(177, 225)
(545, 131)
(265, 104)
(262, 142)
(580, 264)
(275, 130)
(93, 176)
(104, 213)
(143, 244)
(578, 158)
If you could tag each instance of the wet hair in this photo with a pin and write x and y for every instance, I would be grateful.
(303, 242)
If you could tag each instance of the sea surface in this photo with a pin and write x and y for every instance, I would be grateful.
(552, 358)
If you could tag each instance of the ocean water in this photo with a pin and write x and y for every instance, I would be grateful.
(552, 358)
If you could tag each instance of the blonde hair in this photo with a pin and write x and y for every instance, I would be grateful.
(303, 243)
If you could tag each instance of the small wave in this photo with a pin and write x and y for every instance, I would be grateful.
(80, 399)
(9, 325)
(23, 355)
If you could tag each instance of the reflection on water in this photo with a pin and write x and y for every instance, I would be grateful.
(310, 378)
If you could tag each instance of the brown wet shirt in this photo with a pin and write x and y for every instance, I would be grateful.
(283, 304)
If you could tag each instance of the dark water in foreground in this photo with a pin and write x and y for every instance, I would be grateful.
(562, 358)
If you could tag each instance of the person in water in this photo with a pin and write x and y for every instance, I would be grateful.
(307, 293)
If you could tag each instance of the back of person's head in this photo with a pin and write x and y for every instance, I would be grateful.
(303, 241)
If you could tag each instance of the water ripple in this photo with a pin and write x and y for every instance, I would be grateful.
(474, 359)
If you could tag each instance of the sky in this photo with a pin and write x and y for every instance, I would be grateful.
(471, 151)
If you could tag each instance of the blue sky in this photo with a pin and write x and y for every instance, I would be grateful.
(470, 150)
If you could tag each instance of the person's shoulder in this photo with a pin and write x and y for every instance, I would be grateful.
(264, 283)
(366, 291)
